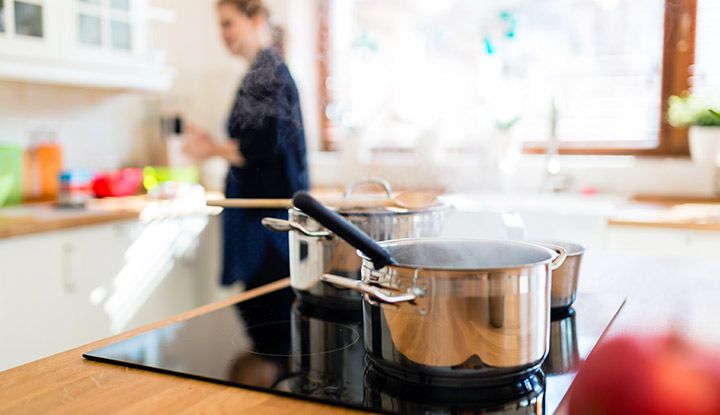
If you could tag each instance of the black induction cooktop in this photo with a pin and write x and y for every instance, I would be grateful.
(276, 343)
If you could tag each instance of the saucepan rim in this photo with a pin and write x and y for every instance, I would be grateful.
(551, 254)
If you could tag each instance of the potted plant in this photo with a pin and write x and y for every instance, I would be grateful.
(703, 118)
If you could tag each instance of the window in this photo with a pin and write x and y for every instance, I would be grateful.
(706, 73)
(455, 75)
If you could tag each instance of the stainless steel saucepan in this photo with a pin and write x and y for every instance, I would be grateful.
(315, 250)
(565, 279)
(442, 309)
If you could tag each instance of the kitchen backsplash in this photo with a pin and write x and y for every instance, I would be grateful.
(97, 129)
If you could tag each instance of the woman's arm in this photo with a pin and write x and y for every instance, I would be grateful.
(200, 145)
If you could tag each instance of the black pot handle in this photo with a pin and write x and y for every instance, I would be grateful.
(343, 228)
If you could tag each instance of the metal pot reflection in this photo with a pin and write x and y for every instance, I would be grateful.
(327, 352)
(563, 356)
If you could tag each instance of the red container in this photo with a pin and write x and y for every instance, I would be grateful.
(124, 182)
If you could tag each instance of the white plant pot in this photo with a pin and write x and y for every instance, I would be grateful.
(705, 145)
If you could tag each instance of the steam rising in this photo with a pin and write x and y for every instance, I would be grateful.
(466, 254)
(267, 121)
(265, 96)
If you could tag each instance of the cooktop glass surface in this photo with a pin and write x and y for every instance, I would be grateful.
(277, 344)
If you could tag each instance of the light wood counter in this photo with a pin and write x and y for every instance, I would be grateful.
(44, 217)
(66, 383)
(30, 224)
(702, 214)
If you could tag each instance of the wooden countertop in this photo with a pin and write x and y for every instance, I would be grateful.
(24, 224)
(66, 383)
(693, 213)
(662, 293)
(44, 217)
(646, 211)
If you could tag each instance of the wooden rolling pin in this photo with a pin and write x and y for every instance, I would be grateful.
(251, 203)
(404, 200)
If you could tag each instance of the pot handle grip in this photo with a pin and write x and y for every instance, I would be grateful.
(361, 287)
(372, 180)
(560, 258)
(281, 225)
(343, 228)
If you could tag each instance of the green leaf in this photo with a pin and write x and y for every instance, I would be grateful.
(709, 118)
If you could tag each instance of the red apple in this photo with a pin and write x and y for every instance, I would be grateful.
(648, 375)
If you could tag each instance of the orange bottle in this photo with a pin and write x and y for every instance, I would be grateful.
(43, 164)
(49, 156)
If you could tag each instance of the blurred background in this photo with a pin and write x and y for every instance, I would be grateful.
(586, 120)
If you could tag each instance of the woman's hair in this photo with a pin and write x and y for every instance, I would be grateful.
(249, 8)
(278, 39)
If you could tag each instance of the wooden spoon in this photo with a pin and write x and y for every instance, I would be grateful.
(403, 200)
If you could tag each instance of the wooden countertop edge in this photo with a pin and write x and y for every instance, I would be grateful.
(665, 225)
(66, 383)
(673, 200)
(10, 229)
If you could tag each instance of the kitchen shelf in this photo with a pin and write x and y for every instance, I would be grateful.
(86, 44)
(130, 77)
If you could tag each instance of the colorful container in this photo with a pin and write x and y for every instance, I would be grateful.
(75, 187)
(11, 184)
(152, 176)
(124, 182)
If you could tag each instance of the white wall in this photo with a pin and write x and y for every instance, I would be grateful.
(97, 129)
(300, 20)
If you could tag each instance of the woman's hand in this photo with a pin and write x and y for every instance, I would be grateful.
(230, 151)
(200, 145)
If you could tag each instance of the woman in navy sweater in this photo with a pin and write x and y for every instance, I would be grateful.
(266, 149)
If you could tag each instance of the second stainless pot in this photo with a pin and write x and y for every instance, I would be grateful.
(314, 250)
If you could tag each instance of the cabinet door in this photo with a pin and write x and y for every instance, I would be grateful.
(62, 289)
(128, 274)
(662, 241)
(52, 290)
(34, 314)
(172, 269)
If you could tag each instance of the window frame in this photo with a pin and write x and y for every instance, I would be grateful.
(677, 59)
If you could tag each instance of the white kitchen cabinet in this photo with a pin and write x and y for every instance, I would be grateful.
(90, 43)
(686, 243)
(62, 289)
